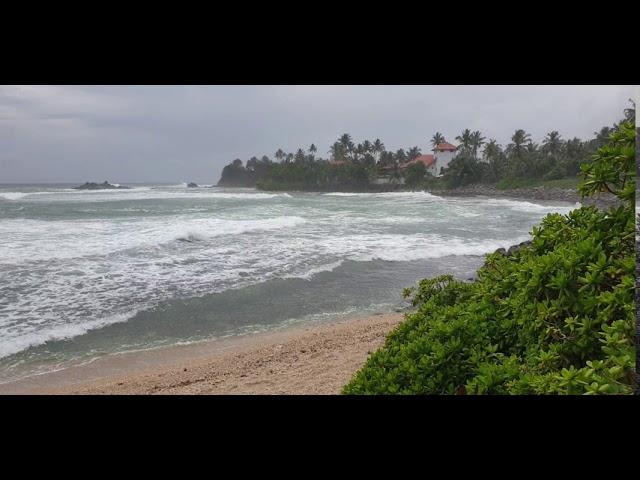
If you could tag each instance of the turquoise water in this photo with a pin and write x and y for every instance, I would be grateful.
(88, 273)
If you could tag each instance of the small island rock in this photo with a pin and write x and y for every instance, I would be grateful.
(100, 186)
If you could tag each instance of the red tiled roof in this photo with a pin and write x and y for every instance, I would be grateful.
(428, 160)
(445, 146)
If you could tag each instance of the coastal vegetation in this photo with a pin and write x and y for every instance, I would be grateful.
(556, 316)
(369, 165)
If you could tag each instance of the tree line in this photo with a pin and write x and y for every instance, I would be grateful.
(477, 160)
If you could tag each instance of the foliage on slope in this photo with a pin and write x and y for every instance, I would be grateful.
(557, 317)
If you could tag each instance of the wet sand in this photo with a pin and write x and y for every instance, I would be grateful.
(308, 360)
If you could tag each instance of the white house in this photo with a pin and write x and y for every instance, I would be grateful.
(443, 153)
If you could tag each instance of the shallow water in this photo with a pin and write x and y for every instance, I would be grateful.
(87, 273)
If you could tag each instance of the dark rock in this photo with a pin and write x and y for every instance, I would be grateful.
(100, 186)
(192, 185)
(501, 251)
(515, 248)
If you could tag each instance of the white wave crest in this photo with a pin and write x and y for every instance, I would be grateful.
(529, 207)
(96, 237)
(13, 195)
(401, 248)
(10, 346)
(309, 274)
(420, 195)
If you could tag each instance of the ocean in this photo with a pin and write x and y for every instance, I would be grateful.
(85, 274)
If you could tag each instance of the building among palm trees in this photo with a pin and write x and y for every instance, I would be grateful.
(443, 153)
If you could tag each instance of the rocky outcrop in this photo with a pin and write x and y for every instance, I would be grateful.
(100, 186)
(513, 249)
(192, 185)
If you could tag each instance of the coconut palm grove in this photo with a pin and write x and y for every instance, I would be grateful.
(370, 166)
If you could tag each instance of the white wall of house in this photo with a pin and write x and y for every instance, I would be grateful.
(443, 159)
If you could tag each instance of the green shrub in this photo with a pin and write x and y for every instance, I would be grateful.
(556, 317)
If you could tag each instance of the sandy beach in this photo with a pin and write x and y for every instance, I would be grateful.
(308, 360)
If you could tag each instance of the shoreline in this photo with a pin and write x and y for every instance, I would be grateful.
(531, 194)
(309, 359)
(215, 366)
(539, 193)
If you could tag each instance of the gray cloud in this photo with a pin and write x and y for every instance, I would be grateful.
(184, 133)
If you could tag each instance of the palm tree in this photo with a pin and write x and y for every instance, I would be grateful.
(477, 140)
(279, 155)
(367, 147)
(289, 157)
(347, 144)
(378, 148)
(491, 149)
(493, 155)
(413, 153)
(552, 143)
(337, 151)
(358, 152)
(602, 137)
(465, 141)
(519, 139)
(312, 151)
(300, 156)
(437, 139)
(345, 139)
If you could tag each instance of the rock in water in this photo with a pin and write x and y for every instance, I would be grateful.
(192, 185)
(100, 186)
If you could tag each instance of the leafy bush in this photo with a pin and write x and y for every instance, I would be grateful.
(556, 317)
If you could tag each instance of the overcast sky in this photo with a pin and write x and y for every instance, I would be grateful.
(188, 133)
